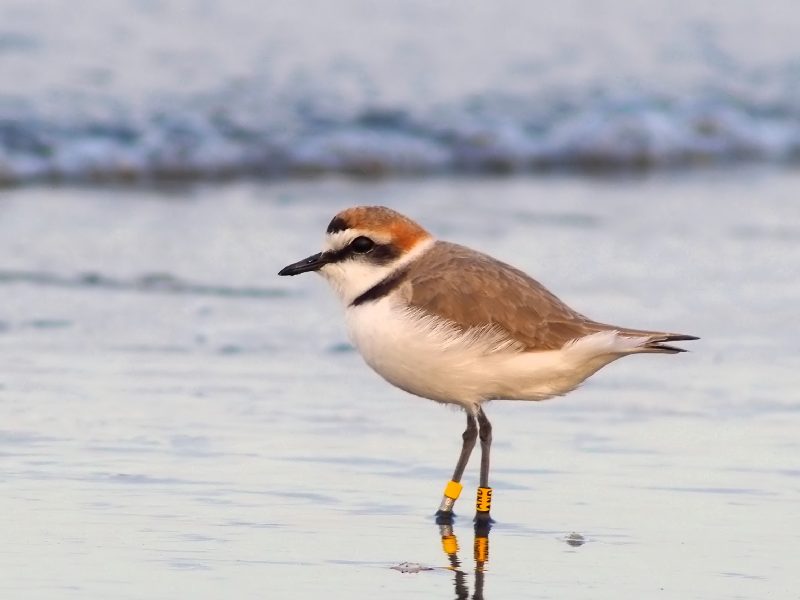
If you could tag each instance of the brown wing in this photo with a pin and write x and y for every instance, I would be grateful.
(473, 289)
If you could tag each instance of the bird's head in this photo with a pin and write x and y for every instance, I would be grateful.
(364, 245)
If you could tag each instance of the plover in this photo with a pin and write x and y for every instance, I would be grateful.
(448, 323)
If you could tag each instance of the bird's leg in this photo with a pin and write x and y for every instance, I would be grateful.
(484, 501)
(469, 436)
(453, 487)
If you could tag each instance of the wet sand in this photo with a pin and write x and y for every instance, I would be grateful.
(179, 421)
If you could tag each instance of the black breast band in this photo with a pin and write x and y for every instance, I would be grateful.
(382, 288)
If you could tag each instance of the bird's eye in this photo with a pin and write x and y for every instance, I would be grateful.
(362, 244)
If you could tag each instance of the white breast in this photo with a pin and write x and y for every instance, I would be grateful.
(423, 355)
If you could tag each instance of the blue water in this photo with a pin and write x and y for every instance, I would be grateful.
(176, 417)
(144, 89)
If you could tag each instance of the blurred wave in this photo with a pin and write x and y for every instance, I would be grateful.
(601, 134)
(168, 89)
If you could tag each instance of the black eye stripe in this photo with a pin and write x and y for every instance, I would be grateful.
(384, 253)
(380, 254)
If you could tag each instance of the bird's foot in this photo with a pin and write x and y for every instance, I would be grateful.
(483, 522)
(445, 517)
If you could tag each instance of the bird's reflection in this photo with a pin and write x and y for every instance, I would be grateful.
(480, 555)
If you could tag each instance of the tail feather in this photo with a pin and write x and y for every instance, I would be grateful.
(650, 341)
(655, 343)
(675, 337)
(661, 348)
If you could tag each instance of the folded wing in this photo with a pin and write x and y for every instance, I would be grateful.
(471, 290)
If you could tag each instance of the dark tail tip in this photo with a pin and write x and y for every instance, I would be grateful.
(656, 344)
(678, 337)
(656, 347)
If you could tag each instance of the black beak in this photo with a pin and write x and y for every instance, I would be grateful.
(312, 263)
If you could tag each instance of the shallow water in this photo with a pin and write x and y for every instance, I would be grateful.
(178, 419)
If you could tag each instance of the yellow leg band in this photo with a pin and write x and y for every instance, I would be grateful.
(484, 500)
(453, 489)
(451, 492)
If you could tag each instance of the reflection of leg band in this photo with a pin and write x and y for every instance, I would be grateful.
(451, 493)
(449, 541)
(481, 549)
(484, 500)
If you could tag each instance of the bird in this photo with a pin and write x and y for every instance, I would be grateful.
(454, 325)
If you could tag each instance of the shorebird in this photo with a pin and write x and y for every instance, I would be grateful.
(448, 323)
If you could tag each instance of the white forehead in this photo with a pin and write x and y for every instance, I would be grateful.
(340, 239)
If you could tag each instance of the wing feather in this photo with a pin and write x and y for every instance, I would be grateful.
(473, 290)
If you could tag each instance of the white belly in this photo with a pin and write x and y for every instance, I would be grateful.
(428, 358)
